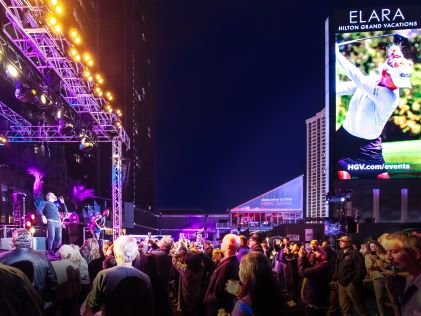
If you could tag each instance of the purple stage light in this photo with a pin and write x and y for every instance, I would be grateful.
(38, 175)
(81, 193)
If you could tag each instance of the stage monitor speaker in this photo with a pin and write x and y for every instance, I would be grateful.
(75, 234)
(39, 243)
(128, 215)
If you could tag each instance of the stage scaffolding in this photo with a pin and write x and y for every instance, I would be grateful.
(28, 32)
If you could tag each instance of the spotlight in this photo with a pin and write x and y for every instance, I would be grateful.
(52, 20)
(43, 99)
(66, 127)
(59, 9)
(59, 114)
(119, 113)
(54, 2)
(78, 58)
(109, 96)
(78, 40)
(3, 140)
(73, 52)
(87, 141)
(87, 57)
(109, 108)
(32, 230)
(87, 73)
(117, 123)
(91, 63)
(12, 71)
(24, 93)
(57, 28)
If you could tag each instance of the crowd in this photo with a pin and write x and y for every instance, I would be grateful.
(244, 276)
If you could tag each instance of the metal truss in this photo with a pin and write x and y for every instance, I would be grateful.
(117, 186)
(27, 30)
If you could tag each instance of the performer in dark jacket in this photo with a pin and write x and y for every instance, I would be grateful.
(52, 219)
(315, 294)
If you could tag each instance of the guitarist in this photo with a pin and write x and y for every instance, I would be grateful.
(97, 223)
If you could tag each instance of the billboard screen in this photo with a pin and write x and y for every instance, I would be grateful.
(375, 113)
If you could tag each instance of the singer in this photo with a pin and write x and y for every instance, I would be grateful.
(52, 219)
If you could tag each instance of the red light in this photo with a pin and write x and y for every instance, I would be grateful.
(28, 223)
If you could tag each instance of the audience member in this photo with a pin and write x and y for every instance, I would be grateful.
(349, 274)
(243, 247)
(190, 268)
(316, 278)
(404, 250)
(68, 282)
(216, 296)
(121, 290)
(44, 276)
(259, 294)
(17, 295)
(163, 260)
(255, 241)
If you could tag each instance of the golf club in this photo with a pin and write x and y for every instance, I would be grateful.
(397, 39)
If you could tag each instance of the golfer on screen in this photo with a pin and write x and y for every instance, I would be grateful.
(372, 103)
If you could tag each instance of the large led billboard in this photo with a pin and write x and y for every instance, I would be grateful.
(375, 93)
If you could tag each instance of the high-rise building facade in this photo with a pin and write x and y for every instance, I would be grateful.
(316, 171)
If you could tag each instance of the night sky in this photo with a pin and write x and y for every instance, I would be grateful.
(235, 82)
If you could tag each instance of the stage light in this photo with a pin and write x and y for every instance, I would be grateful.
(59, 9)
(90, 78)
(54, 2)
(98, 91)
(78, 58)
(109, 108)
(24, 93)
(11, 71)
(57, 28)
(32, 230)
(32, 216)
(78, 40)
(87, 57)
(91, 63)
(43, 99)
(109, 96)
(3, 140)
(117, 123)
(28, 224)
(87, 73)
(73, 34)
(52, 20)
(73, 52)
(119, 113)
(59, 114)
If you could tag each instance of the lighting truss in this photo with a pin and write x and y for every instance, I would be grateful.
(117, 186)
(27, 30)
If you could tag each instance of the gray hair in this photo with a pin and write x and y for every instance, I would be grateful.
(125, 249)
(65, 252)
(166, 243)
